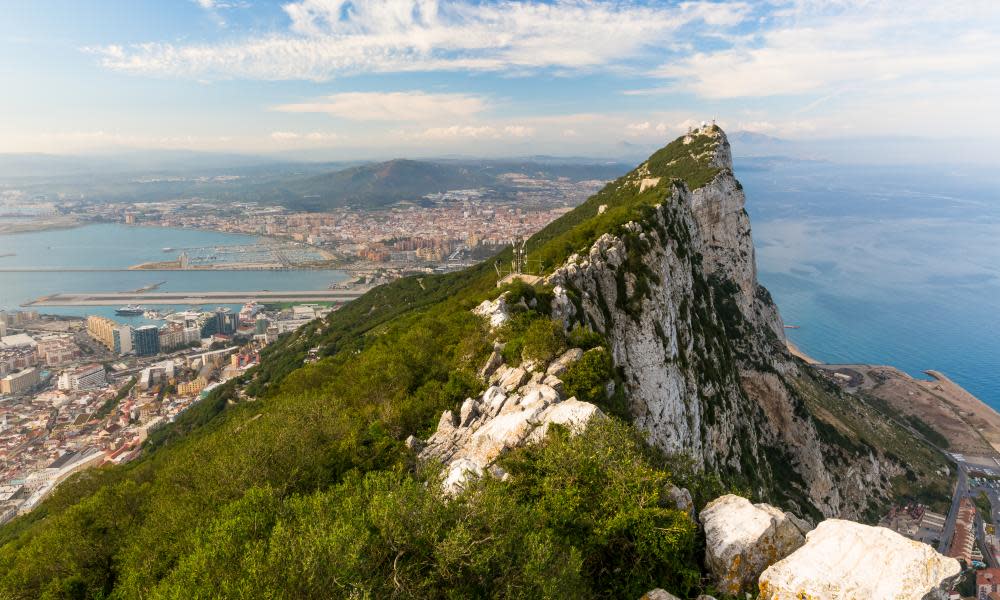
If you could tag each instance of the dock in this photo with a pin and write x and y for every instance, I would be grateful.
(193, 298)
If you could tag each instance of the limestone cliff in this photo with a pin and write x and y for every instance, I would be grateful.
(699, 344)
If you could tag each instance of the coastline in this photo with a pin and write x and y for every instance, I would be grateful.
(798, 353)
(971, 426)
(32, 225)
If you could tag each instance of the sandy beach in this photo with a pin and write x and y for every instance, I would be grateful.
(799, 353)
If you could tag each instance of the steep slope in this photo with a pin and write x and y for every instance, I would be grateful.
(302, 480)
(699, 342)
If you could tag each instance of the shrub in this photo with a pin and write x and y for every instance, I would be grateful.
(587, 378)
(584, 338)
(543, 340)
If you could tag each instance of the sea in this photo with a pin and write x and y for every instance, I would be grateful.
(883, 265)
(93, 258)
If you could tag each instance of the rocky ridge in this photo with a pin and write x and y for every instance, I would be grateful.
(516, 409)
(700, 344)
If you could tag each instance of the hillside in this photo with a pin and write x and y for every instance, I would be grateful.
(377, 185)
(307, 480)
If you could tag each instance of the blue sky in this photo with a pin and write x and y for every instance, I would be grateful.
(361, 79)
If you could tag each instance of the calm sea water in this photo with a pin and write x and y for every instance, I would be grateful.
(110, 246)
(897, 266)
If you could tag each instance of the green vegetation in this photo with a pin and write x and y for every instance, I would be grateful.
(588, 517)
(868, 423)
(295, 480)
(310, 488)
(985, 508)
(376, 185)
(932, 435)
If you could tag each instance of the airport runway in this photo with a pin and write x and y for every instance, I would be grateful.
(154, 297)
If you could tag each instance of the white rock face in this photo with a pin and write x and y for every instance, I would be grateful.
(743, 539)
(843, 560)
(518, 409)
(671, 343)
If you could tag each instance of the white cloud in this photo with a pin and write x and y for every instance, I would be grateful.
(309, 138)
(392, 106)
(827, 47)
(327, 38)
(457, 132)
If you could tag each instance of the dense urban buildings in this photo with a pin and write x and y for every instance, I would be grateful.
(76, 393)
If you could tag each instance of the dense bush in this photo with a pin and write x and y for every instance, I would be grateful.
(588, 377)
(582, 516)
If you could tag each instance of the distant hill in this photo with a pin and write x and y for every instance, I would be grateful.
(378, 185)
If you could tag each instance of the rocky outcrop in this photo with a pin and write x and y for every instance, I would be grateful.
(495, 311)
(658, 594)
(847, 560)
(700, 345)
(517, 409)
(743, 539)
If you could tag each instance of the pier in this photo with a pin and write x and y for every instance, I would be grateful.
(193, 298)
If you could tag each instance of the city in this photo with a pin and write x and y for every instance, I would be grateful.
(79, 393)
(442, 231)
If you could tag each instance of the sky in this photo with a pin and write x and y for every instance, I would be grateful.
(367, 78)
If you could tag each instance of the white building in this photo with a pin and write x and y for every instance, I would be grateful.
(85, 378)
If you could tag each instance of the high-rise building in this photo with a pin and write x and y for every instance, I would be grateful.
(114, 336)
(226, 321)
(15, 383)
(3, 326)
(171, 336)
(122, 339)
(146, 340)
(260, 325)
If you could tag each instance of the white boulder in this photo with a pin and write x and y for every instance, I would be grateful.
(495, 311)
(844, 560)
(459, 474)
(743, 539)
(559, 365)
(658, 594)
(681, 498)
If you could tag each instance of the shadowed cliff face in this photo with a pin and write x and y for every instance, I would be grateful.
(700, 345)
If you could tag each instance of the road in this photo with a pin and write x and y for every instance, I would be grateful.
(965, 488)
(961, 490)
